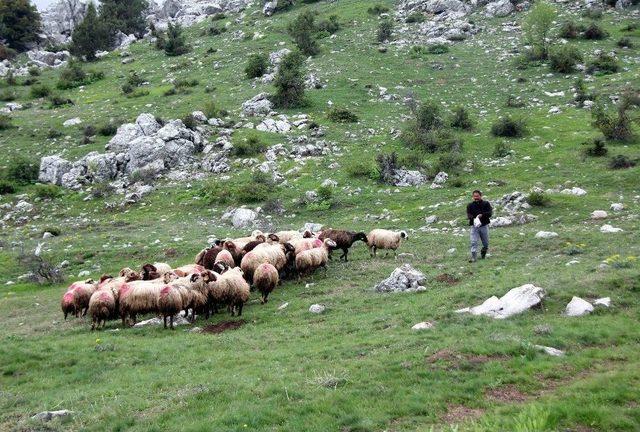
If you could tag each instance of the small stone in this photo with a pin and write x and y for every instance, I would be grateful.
(608, 229)
(616, 207)
(550, 350)
(546, 234)
(578, 307)
(317, 308)
(425, 325)
(599, 214)
(46, 416)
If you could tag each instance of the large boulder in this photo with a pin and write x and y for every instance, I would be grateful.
(241, 217)
(403, 279)
(147, 124)
(216, 162)
(52, 168)
(61, 17)
(121, 141)
(257, 105)
(403, 178)
(440, 6)
(143, 151)
(514, 302)
(101, 167)
(500, 8)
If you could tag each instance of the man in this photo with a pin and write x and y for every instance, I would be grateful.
(482, 208)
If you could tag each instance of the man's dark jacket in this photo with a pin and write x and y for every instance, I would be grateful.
(480, 207)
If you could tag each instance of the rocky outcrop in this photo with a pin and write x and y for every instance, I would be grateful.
(59, 19)
(512, 303)
(403, 279)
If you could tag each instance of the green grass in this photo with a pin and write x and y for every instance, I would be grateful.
(268, 374)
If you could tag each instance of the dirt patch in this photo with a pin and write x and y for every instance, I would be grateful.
(451, 360)
(223, 326)
(447, 278)
(460, 413)
(508, 394)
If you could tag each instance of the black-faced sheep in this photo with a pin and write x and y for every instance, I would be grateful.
(309, 260)
(235, 250)
(385, 239)
(265, 279)
(344, 240)
(76, 299)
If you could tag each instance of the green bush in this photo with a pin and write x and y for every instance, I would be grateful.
(581, 92)
(564, 58)
(190, 121)
(7, 53)
(514, 102)
(625, 42)
(450, 162)
(460, 119)
(302, 30)
(5, 122)
(438, 49)
(509, 127)
(387, 166)
(47, 191)
(415, 17)
(361, 169)
(73, 75)
(570, 30)
(594, 32)
(593, 13)
(40, 91)
(175, 42)
(385, 30)
(34, 71)
(617, 127)
(6, 187)
(621, 162)
(21, 170)
(538, 199)
(537, 26)
(8, 95)
(341, 115)
(596, 148)
(377, 9)
(211, 110)
(251, 146)
(257, 65)
(501, 149)
(58, 101)
(108, 129)
(289, 82)
(329, 26)
(604, 63)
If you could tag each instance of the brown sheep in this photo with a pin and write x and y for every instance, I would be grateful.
(265, 279)
(344, 240)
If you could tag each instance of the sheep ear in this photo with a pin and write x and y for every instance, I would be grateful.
(194, 277)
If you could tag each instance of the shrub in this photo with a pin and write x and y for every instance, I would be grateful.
(581, 92)
(91, 35)
(211, 110)
(34, 71)
(89, 131)
(257, 65)
(621, 162)
(108, 129)
(102, 190)
(40, 91)
(624, 42)
(215, 30)
(361, 169)
(174, 44)
(329, 26)
(604, 63)
(593, 13)
(190, 121)
(538, 199)
(594, 32)
(251, 146)
(7, 95)
(429, 116)
(415, 17)
(537, 27)
(127, 16)
(450, 162)
(47, 191)
(5, 122)
(302, 31)
(460, 119)
(438, 49)
(378, 9)
(596, 148)
(509, 127)
(617, 126)
(570, 30)
(54, 133)
(6, 187)
(387, 166)
(21, 170)
(73, 76)
(289, 82)
(514, 102)
(10, 79)
(563, 58)
(184, 83)
(170, 92)
(342, 115)
(58, 101)
(42, 271)
(385, 29)
(501, 149)
(7, 53)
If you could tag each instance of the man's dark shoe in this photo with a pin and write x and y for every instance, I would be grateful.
(483, 253)
(473, 258)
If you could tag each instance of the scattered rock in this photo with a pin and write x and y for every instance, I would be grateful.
(403, 279)
(500, 8)
(72, 122)
(605, 301)
(404, 178)
(425, 325)
(46, 416)
(578, 307)
(599, 214)
(550, 350)
(257, 105)
(608, 229)
(516, 301)
(317, 308)
(241, 217)
(178, 319)
(617, 207)
(574, 191)
(546, 234)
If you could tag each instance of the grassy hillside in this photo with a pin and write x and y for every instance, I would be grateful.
(358, 366)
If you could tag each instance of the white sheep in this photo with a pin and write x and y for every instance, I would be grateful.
(311, 259)
(385, 239)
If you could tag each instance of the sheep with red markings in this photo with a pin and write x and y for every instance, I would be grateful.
(104, 301)
(311, 259)
(385, 239)
(265, 280)
(138, 297)
(304, 244)
(76, 299)
(225, 257)
(264, 253)
(188, 269)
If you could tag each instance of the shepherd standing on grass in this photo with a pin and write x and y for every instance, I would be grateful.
(479, 213)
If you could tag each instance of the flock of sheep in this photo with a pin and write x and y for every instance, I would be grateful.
(222, 275)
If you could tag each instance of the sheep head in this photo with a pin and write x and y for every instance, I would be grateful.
(220, 267)
(360, 236)
(104, 277)
(307, 234)
(274, 238)
(329, 244)
(132, 276)
(261, 238)
(169, 277)
(229, 245)
(206, 276)
(125, 271)
(404, 235)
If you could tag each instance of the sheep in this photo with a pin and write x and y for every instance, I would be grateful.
(209, 256)
(188, 269)
(194, 292)
(104, 301)
(252, 244)
(138, 297)
(265, 279)
(225, 257)
(235, 249)
(170, 302)
(288, 236)
(242, 241)
(344, 240)
(304, 244)
(76, 299)
(309, 260)
(236, 289)
(385, 239)
(150, 272)
(264, 253)
(200, 256)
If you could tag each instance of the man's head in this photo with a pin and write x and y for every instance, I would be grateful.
(477, 195)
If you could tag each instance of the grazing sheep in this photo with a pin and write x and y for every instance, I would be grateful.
(103, 303)
(252, 244)
(76, 299)
(385, 239)
(200, 257)
(304, 244)
(236, 289)
(309, 260)
(264, 253)
(209, 257)
(225, 257)
(235, 250)
(265, 279)
(288, 236)
(344, 240)
(170, 302)
(138, 297)
(150, 272)
(188, 269)
(242, 241)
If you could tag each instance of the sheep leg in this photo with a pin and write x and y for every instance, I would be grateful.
(171, 321)
(85, 311)
(93, 324)
(65, 315)
(345, 252)
(240, 308)
(165, 321)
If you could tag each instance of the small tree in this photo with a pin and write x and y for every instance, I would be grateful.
(615, 127)
(384, 30)
(127, 16)
(90, 36)
(289, 82)
(302, 30)
(19, 23)
(175, 44)
(257, 65)
(537, 28)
